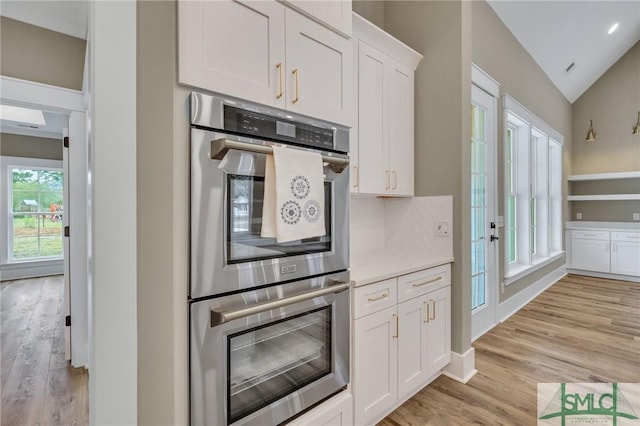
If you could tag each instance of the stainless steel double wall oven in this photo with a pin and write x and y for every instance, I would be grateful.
(269, 322)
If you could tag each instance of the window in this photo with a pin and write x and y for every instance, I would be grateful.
(533, 191)
(35, 209)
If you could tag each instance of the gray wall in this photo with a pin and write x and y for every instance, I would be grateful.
(497, 52)
(440, 30)
(612, 102)
(163, 191)
(36, 54)
(372, 11)
(30, 146)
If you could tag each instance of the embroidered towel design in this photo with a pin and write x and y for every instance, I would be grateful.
(293, 204)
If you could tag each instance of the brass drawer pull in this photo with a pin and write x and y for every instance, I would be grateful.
(375, 299)
(434, 309)
(433, 280)
(426, 310)
(395, 317)
(279, 67)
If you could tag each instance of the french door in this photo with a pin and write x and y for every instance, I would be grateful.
(484, 231)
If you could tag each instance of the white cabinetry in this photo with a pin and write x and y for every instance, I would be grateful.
(590, 250)
(597, 250)
(625, 253)
(264, 52)
(402, 340)
(382, 143)
(335, 14)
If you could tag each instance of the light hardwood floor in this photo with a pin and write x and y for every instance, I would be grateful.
(581, 329)
(38, 386)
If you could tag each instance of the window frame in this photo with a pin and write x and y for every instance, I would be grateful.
(537, 153)
(7, 164)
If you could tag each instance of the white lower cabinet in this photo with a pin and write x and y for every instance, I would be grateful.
(603, 251)
(399, 349)
(337, 411)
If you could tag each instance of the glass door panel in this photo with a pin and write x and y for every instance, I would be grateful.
(478, 207)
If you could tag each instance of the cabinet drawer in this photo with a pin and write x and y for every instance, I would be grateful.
(422, 282)
(374, 297)
(590, 235)
(625, 236)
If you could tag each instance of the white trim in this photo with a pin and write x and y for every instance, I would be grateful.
(30, 132)
(604, 197)
(36, 163)
(518, 273)
(533, 120)
(36, 268)
(520, 299)
(605, 176)
(14, 91)
(604, 275)
(462, 366)
(484, 81)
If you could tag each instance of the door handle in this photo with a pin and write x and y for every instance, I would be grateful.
(434, 309)
(494, 237)
(395, 317)
(279, 67)
(295, 72)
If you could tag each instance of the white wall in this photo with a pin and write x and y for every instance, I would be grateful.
(113, 337)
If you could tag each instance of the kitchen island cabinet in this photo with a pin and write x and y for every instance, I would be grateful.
(265, 52)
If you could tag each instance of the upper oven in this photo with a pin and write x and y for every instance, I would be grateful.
(229, 145)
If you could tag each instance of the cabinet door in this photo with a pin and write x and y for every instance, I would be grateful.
(373, 116)
(335, 14)
(233, 48)
(401, 129)
(439, 330)
(375, 360)
(625, 258)
(590, 255)
(412, 346)
(318, 70)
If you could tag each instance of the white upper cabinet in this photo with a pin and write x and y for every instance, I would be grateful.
(335, 14)
(382, 140)
(318, 70)
(235, 48)
(264, 52)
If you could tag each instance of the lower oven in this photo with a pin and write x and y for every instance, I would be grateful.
(264, 356)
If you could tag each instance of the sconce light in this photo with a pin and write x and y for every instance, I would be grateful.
(636, 128)
(591, 134)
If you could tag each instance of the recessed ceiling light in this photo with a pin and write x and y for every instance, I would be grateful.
(22, 115)
(613, 28)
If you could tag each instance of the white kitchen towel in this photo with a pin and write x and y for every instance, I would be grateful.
(298, 211)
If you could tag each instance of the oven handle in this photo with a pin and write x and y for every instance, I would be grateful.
(219, 148)
(220, 316)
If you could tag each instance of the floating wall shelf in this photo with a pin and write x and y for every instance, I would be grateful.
(604, 176)
(604, 197)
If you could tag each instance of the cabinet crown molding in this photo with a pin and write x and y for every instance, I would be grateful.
(384, 42)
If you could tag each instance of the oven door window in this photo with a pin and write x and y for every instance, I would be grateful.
(244, 222)
(269, 362)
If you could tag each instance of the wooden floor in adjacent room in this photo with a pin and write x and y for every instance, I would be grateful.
(38, 386)
(582, 329)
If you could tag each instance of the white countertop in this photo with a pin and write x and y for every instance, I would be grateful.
(604, 226)
(378, 265)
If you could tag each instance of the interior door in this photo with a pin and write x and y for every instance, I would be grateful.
(484, 235)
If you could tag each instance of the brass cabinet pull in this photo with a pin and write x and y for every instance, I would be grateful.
(395, 317)
(356, 177)
(386, 177)
(279, 67)
(434, 309)
(433, 280)
(395, 179)
(375, 299)
(297, 98)
(426, 311)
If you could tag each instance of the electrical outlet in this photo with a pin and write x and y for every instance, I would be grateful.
(636, 216)
(578, 216)
(441, 229)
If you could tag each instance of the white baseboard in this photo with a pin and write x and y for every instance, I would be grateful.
(519, 300)
(462, 366)
(604, 275)
(42, 268)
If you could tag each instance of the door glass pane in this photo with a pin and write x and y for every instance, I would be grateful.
(477, 190)
(477, 165)
(477, 223)
(478, 291)
(274, 360)
(245, 195)
(479, 208)
(477, 257)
